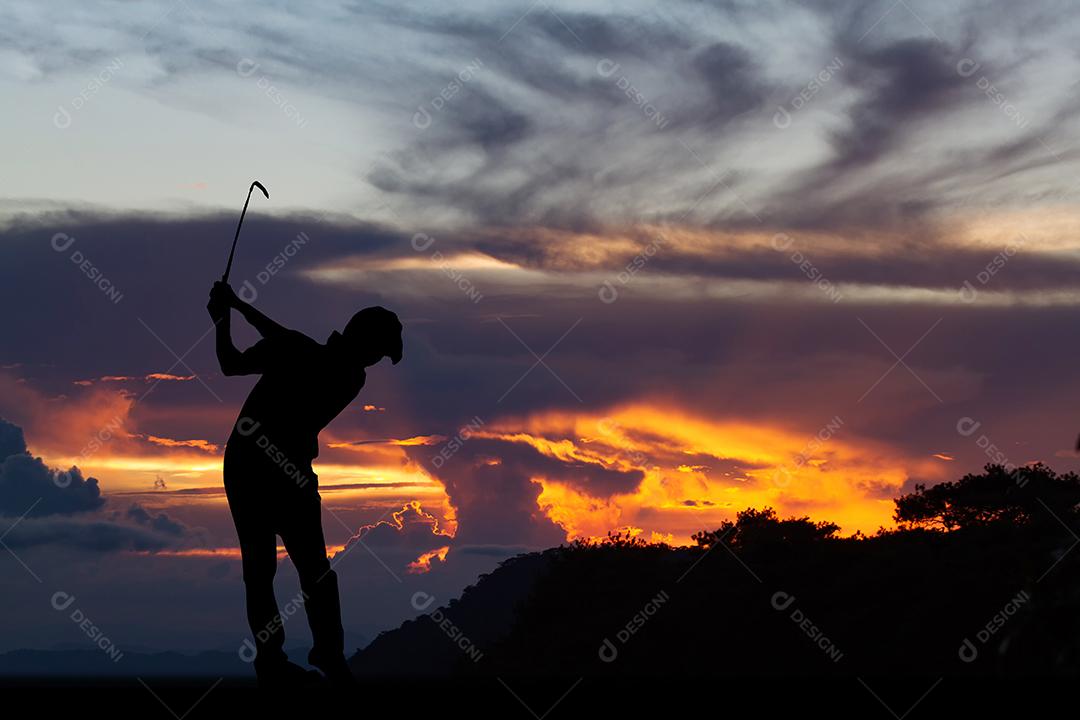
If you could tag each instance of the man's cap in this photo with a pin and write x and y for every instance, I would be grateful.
(379, 326)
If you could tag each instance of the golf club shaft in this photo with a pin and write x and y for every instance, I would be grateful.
(232, 252)
(228, 266)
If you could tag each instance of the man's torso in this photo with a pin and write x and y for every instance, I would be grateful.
(302, 389)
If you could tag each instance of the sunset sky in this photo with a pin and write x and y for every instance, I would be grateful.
(656, 263)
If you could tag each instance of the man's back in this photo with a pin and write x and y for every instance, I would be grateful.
(304, 385)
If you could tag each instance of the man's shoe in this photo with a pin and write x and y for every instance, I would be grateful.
(285, 674)
(335, 669)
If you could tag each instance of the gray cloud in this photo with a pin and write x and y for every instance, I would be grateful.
(897, 94)
(61, 508)
(901, 83)
(28, 485)
(732, 80)
(160, 523)
(86, 534)
(489, 482)
(418, 533)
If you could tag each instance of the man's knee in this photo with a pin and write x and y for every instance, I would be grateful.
(259, 572)
(316, 572)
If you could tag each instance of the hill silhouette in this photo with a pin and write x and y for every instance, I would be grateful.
(978, 578)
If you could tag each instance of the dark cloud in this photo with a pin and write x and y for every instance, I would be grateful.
(488, 122)
(731, 79)
(904, 82)
(643, 36)
(12, 441)
(28, 485)
(499, 551)
(550, 122)
(160, 523)
(60, 508)
(562, 145)
(491, 486)
(942, 115)
(86, 534)
(494, 503)
(752, 360)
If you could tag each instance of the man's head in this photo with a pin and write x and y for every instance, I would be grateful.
(371, 334)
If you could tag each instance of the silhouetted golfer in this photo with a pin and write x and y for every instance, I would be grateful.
(268, 478)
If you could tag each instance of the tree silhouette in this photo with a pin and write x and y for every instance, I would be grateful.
(763, 527)
(1029, 495)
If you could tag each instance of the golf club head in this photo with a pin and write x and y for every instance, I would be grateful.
(259, 185)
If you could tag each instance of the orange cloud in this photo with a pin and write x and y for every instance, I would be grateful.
(422, 564)
(410, 513)
(145, 378)
(169, 442)
(228, 552)
(403, 442)
(79, 427)
(700, 471)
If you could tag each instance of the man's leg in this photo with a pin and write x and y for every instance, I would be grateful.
(258, 551)
(303, 537)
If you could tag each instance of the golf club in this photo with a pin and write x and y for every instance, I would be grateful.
(228, 267)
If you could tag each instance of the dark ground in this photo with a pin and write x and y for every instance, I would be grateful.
(555, 698)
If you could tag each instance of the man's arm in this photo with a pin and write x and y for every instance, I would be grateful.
(265, 326)
(231, 360)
